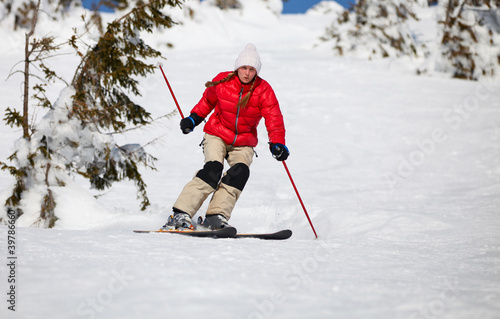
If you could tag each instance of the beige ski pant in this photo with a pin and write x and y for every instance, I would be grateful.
(227, 190)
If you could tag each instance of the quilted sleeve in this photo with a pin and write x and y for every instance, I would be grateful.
(272, 116)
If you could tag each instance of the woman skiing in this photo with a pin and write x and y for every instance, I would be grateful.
(238, 99)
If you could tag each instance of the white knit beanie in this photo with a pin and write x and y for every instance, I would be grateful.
(249, 57)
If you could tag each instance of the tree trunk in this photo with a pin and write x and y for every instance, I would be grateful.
(27, 54)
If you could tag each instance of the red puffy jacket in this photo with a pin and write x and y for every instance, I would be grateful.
(238, 126)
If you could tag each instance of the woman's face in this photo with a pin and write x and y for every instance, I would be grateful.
(246, 74)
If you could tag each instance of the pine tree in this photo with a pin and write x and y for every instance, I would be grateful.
(228, 4)
(24, 11)
(102, 81)
(470, 41)
(374, 28)
(76, 134)
(36, 51)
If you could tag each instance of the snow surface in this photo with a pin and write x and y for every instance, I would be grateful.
(400, 174)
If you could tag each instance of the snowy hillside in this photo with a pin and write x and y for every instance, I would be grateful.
(400, 174)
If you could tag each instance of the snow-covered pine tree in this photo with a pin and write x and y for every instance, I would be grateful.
(470, 39)
(103, 82)
(36, 51)
(374, 28)
(76, 134)
(228, 4)
(23, 11)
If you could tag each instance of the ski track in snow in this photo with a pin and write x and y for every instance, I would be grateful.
(400, 174)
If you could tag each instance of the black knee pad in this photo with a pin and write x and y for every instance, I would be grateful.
(211, 173)
(237, 176)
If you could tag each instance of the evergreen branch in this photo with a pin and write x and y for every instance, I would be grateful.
(169, 115)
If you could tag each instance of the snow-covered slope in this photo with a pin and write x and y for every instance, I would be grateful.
(400, 174)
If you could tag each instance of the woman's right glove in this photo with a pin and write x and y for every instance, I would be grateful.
(189, 123)
(279, 151)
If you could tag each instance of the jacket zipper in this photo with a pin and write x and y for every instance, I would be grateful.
(237, 115)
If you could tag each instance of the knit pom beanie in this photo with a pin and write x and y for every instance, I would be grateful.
(249, 57)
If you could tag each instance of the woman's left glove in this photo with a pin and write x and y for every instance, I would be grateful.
(280, 152)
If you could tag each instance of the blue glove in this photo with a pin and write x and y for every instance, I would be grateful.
(280, 152)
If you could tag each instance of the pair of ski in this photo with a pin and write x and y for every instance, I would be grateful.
(227, 232)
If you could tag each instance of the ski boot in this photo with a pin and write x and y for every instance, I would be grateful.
(179, 220)
(212, 222)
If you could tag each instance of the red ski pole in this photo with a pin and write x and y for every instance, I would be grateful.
(300, 199)
(171, 92)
